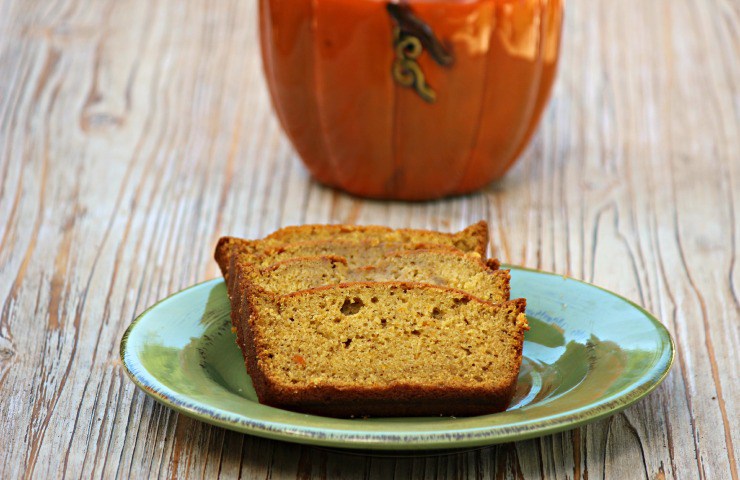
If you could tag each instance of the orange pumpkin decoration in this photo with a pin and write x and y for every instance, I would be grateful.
(409, 99)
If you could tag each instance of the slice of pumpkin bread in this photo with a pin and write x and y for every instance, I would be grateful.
(383, 349)
(472, 239)
(365, 243)
(356, 253)
(445, 268)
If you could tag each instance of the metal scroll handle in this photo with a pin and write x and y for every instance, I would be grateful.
(410, 37)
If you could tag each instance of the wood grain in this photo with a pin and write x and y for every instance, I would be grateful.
(133, 134)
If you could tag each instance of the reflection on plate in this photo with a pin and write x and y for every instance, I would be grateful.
(589, 354)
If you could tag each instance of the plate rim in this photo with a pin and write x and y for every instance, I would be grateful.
(432, 440)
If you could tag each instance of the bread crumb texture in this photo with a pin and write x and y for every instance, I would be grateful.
(370, 335)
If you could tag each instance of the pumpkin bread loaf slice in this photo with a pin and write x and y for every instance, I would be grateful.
(357, 254)
(472, 239)
(445, 268)
(383, 349)
(360, 245)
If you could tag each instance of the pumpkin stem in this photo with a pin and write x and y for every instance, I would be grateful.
(411, 25)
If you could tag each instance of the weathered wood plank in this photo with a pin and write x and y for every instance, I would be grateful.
(133, 134)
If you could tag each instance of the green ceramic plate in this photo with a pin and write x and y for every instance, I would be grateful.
(589, 354)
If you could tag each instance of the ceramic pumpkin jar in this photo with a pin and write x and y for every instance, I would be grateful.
(409, 99)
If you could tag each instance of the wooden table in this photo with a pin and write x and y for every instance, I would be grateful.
(134, 133)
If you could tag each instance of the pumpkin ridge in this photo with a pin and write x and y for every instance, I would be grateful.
(545, 85)
(479, 120)
(518, 136)
(318, 86)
